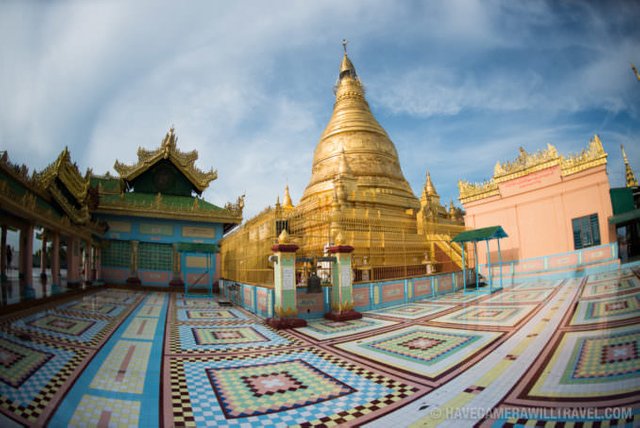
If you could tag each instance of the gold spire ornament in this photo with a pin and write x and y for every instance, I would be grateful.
(629, 175)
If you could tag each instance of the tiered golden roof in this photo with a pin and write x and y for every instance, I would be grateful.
(184, 161)
(67, 173)
(526, 163)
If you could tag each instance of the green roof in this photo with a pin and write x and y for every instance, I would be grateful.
(483, 234)
(107, 184)
(621, 200)
(148, 200)
(625, 217)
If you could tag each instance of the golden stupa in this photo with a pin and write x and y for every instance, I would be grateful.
(358, 192)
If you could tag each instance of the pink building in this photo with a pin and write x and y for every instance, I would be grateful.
(546, 203)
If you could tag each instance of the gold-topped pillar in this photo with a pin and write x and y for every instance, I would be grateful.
(284, 284)
(342, 288)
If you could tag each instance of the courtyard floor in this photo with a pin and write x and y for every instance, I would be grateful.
(549, 353)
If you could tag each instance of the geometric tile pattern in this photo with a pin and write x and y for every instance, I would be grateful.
(227, 336)
(457, 297)
(102, 412)
(90, 306)
(411, 311)
(429, 351)
(210, 315)
(519, 296)
(306, 386)
(215, 338)
(488, 315)
(611, 287)
(592, 364)
(124, 368)
(38, 372)
(274, 387)
(19, 362)
(327, 329)
(607, 310)
(61, 327)
(141, 328)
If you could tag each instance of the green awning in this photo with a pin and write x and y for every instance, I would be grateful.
(193, 247)
(621, 200)
(625, 217)
(483, 234)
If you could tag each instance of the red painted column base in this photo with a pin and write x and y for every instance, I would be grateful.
(343, 316)
(283, 323)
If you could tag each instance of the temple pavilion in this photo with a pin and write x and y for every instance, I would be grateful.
(159, 229)
(357, 190)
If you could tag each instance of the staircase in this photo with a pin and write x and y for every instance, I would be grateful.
(451, 249)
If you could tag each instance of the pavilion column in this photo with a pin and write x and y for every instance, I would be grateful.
(342, 289)
(87, 267)
(133, 265)
(73, 261)
(3, 253)
(43, 257)
(26, 258)
(284, 284)
(55, 261)
(97, 263)
(176, 268)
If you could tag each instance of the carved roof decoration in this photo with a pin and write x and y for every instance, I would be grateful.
(184, 161)
(63, 171)
(526, 163)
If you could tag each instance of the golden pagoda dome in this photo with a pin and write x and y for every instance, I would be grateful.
(355, 148)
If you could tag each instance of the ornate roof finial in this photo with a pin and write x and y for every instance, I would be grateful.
(344, 45)
(629, 175)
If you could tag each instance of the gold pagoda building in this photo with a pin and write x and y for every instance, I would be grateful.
(357, 190)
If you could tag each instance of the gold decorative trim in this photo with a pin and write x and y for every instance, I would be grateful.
(474, 191)
(184, 161)
(526, 163)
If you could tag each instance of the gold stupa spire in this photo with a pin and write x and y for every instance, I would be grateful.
(629, 175)
(429, 188)
(286, 203)
(353, 139)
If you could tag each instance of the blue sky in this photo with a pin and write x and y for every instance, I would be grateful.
(458, 85)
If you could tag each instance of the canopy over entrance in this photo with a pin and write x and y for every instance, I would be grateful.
(483, 234)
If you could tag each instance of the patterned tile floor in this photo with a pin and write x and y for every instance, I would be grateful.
(548, 353)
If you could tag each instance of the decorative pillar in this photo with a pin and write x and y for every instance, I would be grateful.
(284, 282)
(26, 259)
(133, 274)
(43, 258)
(55, 262)
(73, 262)
(176, 269)
(97, 263)
(3, 253)
(86, 262)
(342, 288)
